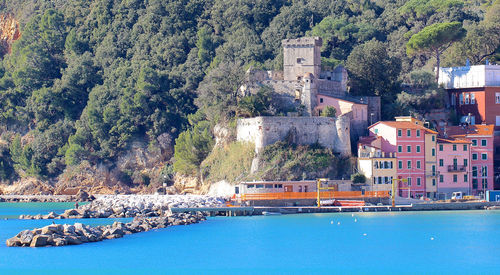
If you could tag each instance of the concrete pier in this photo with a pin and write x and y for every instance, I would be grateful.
(259, 210)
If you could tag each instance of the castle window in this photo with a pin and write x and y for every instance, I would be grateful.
(497, 98)
(320, 100)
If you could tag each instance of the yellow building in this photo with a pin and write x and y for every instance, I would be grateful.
(378, 167)
(431, 173)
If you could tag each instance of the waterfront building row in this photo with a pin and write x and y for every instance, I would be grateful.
(424, 162)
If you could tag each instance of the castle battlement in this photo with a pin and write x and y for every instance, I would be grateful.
(333, 133)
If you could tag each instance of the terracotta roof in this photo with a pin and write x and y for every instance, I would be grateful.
(452, 140)
(404, 125)
(368, 140)
(471, 130)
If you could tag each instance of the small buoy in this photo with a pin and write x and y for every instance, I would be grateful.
(364, 234)
(352, 215)
(355, 220)
(331, 222)
(338, 223)
(432, 238)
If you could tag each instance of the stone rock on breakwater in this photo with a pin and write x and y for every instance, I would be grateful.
(78, 233)
(129, 206)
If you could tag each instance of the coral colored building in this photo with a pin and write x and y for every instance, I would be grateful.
(454, 162)
(481, 138)
(406, 138)
(475, 90)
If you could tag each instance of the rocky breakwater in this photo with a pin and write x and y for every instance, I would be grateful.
(66, 234)
(129, 206)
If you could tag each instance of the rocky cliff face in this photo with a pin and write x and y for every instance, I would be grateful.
(9, 32)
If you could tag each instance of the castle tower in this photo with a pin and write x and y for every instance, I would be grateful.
(309, 94)
(300, 56)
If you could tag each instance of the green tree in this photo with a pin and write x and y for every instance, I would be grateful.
(435, 39)
(358, 178)
(373, 72)
(329, 111)
(192, 147)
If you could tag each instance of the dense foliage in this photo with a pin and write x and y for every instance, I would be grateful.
(88, 78)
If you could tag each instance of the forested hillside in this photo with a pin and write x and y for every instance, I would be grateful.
(101, 89)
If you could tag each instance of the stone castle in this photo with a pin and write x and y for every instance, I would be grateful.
(304, 86)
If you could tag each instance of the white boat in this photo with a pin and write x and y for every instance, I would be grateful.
(267, 213)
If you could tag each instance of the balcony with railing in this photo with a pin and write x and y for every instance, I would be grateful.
(457, 168)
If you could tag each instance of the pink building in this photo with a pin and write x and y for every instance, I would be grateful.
(454, 162)
(481, 153)
(358, 110)
(407, 138)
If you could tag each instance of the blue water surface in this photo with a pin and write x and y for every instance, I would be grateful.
(448, 242)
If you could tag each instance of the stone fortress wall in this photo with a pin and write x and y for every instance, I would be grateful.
(333, 133)
(300, 83)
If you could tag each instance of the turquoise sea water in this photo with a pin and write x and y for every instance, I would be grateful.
(465, 242)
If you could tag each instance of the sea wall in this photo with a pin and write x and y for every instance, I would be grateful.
(329, 132)
(67, 234)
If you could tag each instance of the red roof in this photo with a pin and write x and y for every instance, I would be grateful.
(404, 125)
(453, 140)
(471, 130)
(369, 141)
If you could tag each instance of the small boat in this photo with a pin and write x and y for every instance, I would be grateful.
(327, 202)
(348, 203)
(267, 213)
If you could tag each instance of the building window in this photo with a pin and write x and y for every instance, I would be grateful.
(433, 138)
(461, 99)
(467, 98)
(484, 171)
(465, 162)
(472, 98)
(408, 164)
(484, 142)
(418, 181)
(465, 147)
(465, 178)
(454, 147)
(441, 162)
(408, 133)
(418, 164)
(433, 170)
(441, 178)
(409, 181)
(299, 60)
(453, 99)
(440, 147)
(418, 148)
(474, 142)
(485, 183)
(484, 156)
(320, 100)
(418, 133)
(400, 148)
(455, 178)
(474, 171)
(400, 132)
(474, 156)
(433, 182)
(400, 164)
(408, 148)
(497, 98)
(433, 152)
